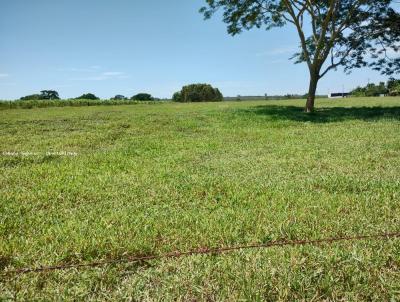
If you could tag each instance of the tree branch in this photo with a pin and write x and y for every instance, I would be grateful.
(300, 32)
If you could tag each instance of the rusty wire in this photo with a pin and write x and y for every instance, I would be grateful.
(200, 251)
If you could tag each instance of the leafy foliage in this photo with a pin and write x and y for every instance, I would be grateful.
(142, 97)
(198, 93)
(393, 86)
(177, 97)
(44, 95)
(31, 97)
(88, 96)
(347, 33)
(371, 90)
(119, 97)
(49, 95)
(395, 91)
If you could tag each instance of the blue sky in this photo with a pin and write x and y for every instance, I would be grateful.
(156, 46)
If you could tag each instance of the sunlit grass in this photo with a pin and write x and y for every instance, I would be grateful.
(90, 183)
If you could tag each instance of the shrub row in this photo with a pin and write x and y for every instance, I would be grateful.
(50, 98)
(391, 88)
(29, 104)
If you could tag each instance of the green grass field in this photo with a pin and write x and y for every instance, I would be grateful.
(93, 183)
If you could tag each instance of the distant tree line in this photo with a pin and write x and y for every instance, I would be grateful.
(189, 93)
(51, 98)
(271, 97)
(53, 95)
(391, 88)
(44, 95)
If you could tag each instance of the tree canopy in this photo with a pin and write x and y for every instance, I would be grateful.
(332, 33)
(371, 90)
(49, 95)
(88, 96)
(119, 97)
(393, 86)
(44, 95)
(198, 93)
(142, 97)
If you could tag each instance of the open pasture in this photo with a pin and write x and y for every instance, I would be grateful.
(93, 183)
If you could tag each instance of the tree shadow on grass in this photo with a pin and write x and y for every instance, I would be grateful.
(328, 114)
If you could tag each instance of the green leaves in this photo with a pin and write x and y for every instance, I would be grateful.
(142, 97)
(87, 96)
(347, 33)
(198, 93)
(44, 95)
(342, 33)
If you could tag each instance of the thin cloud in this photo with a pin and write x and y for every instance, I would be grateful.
(4, 75)
(62, 86)
(107, 75)
(277, 51)
(94, 78)
(113, 73)
(93, 68)
(94, 74)
(278, 61)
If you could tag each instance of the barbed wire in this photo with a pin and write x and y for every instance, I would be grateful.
(200, 251)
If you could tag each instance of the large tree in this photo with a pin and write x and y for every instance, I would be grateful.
(49, 95)
(332, 33)
(44, 95)
(142, 97)
(198, 93)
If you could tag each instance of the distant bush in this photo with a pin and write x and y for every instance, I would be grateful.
(31, 97)
(177, 97)
(198, 93)
(44, 95)
(119, 97)
(370, 90)
(49, 95)
(395, 91)
(88, 96)
(142, 97)
(393, 86)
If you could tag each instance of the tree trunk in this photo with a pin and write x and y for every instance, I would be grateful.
(311, 93)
